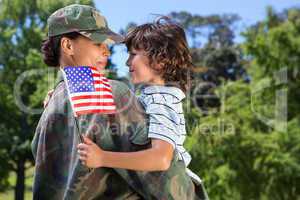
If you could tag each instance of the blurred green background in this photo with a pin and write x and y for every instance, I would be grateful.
(242, 110)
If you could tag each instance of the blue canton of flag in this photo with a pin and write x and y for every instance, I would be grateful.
(80, 79)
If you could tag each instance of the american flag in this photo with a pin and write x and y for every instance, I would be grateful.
(89, 90)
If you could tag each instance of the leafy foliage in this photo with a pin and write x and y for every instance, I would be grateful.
(249, 149)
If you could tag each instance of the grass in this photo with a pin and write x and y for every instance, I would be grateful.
(9, 194)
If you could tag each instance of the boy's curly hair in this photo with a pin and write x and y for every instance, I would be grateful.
(165, 44)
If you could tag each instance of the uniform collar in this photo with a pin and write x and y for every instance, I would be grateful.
(59, 77)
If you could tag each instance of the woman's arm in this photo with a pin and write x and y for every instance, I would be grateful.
(157, 158)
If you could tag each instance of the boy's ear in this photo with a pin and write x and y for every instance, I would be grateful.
(158, 66)
(67, 46)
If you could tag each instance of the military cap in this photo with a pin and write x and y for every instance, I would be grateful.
(83, 19)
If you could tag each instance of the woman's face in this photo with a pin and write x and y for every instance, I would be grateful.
(88, 53)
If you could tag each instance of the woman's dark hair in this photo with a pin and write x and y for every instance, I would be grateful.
(51, 48)
(164, 43)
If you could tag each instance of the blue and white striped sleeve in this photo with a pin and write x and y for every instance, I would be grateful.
(166, 121)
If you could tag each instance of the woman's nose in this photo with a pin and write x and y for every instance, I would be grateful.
(105, 50)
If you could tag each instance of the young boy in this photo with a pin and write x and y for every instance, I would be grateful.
(159, 59)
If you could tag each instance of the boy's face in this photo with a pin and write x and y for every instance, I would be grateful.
(140, 69)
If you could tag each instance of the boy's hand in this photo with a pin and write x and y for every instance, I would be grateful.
(47, 98)
(90, 153)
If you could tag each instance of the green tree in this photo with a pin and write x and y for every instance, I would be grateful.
(22, 29)
(250, 148)
(215, 55)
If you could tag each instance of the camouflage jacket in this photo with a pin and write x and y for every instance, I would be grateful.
(59, 174)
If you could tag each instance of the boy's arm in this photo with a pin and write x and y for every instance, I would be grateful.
(156, 158)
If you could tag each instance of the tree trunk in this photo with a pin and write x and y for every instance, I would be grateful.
(20, 185)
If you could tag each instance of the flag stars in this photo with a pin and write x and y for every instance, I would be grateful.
(80, 79)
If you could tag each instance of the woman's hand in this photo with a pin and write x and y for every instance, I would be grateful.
(47, 98)
(90, 153)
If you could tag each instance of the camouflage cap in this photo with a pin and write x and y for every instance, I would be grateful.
(83, 19)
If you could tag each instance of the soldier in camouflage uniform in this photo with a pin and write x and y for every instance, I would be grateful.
(58, 171)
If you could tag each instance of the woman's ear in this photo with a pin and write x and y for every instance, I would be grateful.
(67, 46)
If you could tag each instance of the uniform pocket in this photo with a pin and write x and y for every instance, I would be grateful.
(139, 134)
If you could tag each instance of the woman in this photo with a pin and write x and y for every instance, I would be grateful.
(78, 36)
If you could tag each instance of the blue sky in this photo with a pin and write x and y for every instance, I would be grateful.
(120, 12)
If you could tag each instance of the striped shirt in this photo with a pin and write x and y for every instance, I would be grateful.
(166, 119)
